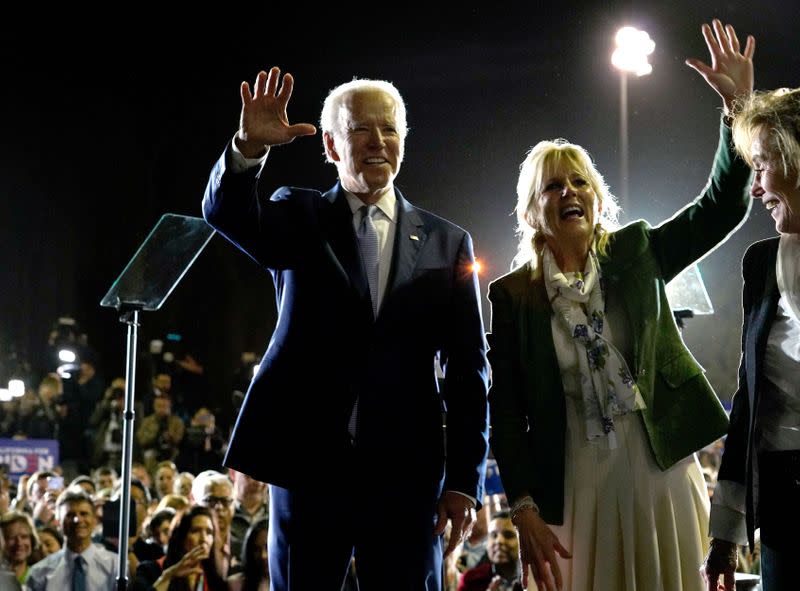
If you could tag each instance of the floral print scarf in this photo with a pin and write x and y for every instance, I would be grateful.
(607, 386)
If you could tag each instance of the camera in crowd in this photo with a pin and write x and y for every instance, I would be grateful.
(116, 398)
(202, 426)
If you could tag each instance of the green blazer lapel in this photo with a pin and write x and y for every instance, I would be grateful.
(626, 280)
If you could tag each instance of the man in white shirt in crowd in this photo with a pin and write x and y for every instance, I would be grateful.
(80, 565)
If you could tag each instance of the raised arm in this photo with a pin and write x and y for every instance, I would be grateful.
(267, 230)
(263, 121)
(731, 71)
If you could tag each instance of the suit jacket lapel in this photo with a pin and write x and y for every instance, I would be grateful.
(342, 244)
(409, 239)
(761, 319)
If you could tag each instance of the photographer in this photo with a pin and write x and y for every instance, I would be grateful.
(45, 420)
(160, 433)
(202, 448)
(107, 424)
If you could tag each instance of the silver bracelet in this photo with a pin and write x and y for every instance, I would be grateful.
(521, 504)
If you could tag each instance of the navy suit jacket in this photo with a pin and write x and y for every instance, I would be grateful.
(327, 349)
(760, 297)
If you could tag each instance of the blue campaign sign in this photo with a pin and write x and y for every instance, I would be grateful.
(493, 484)
(26, 456)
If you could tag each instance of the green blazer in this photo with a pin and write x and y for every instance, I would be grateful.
(528, 408)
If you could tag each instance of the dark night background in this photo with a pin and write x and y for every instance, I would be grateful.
(107, 126)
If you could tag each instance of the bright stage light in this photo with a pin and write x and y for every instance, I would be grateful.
(16, 387)
(633, 47)
(67, 356)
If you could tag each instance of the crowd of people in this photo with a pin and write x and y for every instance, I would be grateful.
(89, 431)
(188, 531)
(595, 409)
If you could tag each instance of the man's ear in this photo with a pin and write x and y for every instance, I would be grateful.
(330, 147)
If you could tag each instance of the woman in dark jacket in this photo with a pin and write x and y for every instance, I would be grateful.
(759, 479)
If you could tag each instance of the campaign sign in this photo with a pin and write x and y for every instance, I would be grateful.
(26, 456)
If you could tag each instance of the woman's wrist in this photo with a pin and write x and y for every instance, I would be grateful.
(520, 506)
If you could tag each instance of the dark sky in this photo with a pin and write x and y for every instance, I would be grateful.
(107, 126)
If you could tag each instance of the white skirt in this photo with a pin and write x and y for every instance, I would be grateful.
(629, 525)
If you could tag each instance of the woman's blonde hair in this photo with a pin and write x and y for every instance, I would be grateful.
(778, 112)
(12, 517)
(544, 157)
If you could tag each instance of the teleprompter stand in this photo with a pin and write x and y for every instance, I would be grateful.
(146, 282)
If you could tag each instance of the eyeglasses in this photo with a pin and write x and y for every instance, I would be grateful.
(217, 502)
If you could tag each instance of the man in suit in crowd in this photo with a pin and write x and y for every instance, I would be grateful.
(80, 565)
(370, 290)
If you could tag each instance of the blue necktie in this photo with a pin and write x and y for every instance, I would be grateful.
(369, 245)
(78, 575)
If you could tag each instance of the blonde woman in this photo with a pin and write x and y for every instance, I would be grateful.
(597, 406)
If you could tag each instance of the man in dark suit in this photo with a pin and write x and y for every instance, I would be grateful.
(370, 292)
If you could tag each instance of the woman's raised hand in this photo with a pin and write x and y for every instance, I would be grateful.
(731, 71)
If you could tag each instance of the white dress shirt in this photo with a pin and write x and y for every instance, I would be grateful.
(54, 573)
(385, 220)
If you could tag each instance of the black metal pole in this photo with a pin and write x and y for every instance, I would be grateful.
(131, 318)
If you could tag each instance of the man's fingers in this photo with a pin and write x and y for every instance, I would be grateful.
(299, 129)
(286, 88)
(456, 533)
(244, 92)
(453, 544)
(272, 82)
(258, 85)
